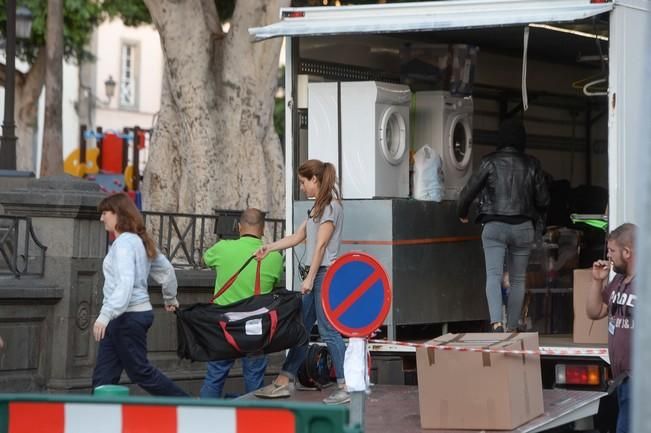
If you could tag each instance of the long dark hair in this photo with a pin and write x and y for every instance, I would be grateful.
(129, 219)
(327, 176)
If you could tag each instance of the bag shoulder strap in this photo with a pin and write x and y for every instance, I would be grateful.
(257, 290)
(232, 279)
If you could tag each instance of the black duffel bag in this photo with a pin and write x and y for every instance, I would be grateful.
(260, 324)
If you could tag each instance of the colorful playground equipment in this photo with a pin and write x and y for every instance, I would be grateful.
(103, 156)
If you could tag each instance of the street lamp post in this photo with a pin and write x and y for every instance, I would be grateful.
(109, 88)
(20, 20)
(94, 101)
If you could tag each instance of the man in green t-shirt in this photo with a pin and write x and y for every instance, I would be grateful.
(226, 257)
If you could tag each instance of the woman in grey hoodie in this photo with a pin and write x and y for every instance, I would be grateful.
(126, 314)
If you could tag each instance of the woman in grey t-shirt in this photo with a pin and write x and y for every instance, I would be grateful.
(322, 233)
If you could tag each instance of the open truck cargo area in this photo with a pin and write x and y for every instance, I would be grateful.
(368, 87)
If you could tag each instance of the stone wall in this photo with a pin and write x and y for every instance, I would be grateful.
(47, 321)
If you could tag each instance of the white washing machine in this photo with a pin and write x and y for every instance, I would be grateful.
(445, 123)
(374, 139)
(323, 123)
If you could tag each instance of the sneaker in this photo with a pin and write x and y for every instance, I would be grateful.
(273, 390)
(340, 396)
(497, 327)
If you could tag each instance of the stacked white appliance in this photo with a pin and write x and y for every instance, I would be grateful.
(363, 128)
(445, 123)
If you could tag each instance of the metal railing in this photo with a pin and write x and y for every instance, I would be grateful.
(17, 242)
(183, 238)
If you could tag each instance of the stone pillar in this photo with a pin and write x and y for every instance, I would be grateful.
(68, 296)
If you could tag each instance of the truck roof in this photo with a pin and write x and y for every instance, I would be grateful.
(426, 16)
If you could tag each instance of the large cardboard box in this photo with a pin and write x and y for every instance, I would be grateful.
(586, 330)
(479, 391)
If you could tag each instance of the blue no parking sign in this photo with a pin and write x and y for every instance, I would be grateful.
(356, 294)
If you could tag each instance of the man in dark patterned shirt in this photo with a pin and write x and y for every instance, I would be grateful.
(617, 301)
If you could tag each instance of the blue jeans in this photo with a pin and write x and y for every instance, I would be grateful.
(623, 398)
(124, 347)
(313, 311)
(253, 369)
(515, 240)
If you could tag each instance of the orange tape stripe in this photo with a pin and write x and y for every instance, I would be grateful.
(140, 418)
(29, 417)
(422, 241)
(251, 420)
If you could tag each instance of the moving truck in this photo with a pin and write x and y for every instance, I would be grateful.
(369, 87)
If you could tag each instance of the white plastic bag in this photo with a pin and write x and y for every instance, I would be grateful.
(355, 365)
(428, 175)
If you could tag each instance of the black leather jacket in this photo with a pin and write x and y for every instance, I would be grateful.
(509, 183)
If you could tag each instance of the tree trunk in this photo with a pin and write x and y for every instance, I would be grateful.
(164, 163)
(188, 112)
(28, 90)
(250, 77)
(52, 159)
(214, 145)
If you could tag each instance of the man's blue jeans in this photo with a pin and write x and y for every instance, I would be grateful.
(253, 369)
(313, 311)
(623, 398)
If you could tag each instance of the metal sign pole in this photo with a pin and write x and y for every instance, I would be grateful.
(356, 297)
(358, 398)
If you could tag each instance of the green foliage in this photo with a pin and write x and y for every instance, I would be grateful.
(132, 12)
(80, 17)
(135, 13)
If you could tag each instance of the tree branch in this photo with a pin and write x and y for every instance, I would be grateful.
(20, 76)
(31, 86)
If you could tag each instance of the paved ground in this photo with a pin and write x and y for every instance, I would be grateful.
(394, 408)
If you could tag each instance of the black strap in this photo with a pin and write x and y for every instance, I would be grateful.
(613, 384)
(232, 279)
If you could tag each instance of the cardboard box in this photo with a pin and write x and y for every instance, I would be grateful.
(586, 330)
(479, 391)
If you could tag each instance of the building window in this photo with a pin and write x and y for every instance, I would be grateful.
(128, 76)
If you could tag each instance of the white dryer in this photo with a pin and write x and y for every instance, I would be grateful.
(374, 139)
(323, 123)
(445, 123)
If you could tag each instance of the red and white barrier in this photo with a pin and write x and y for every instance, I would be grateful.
(45, 417)
(385, 345)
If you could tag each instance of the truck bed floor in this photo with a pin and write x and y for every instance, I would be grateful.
(394, 408)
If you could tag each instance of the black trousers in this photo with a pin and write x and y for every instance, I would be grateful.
(124, 347)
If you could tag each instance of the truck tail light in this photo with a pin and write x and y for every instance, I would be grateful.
(570, 374)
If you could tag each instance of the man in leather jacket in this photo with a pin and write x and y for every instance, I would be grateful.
(512, 194)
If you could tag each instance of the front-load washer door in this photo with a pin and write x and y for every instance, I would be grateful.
(460, 142)
(393, 136)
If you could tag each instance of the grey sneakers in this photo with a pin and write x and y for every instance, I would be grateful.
(339, 396)
(274, 391)
(497, 327)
